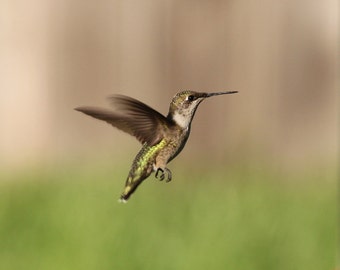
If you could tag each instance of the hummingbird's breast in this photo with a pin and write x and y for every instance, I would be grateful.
(175, 142)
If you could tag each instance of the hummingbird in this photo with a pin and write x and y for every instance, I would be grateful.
(162, 137)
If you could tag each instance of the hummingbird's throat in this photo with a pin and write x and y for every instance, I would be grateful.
(182, 120)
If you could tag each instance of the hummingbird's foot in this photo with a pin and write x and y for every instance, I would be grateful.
(163, 173)
(169, 175)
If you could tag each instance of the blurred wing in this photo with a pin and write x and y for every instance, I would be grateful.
(133, 117)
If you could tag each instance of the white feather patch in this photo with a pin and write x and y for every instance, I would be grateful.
(181, 120)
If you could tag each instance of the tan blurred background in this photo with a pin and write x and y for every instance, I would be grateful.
(280, 55)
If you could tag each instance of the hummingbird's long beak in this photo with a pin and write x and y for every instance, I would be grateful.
(220, 93)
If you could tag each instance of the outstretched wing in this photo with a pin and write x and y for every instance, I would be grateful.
(132, 117)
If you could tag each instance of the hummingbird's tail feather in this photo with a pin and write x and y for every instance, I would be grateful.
(128, 190)
(130, 187)
(122, 200)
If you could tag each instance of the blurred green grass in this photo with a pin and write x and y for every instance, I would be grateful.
(235, 218)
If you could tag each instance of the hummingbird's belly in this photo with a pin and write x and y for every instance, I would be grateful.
(165, 155)
(169, 152)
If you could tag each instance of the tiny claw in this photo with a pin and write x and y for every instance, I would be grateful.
(169, 175)
(162, 174)
(161, 177)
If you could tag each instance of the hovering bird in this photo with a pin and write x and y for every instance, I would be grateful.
(163, 138)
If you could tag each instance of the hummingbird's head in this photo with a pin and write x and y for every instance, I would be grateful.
(184, 104)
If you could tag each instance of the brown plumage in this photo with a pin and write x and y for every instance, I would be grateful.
(162, 137)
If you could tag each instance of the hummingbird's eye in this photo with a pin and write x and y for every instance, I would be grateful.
(191, 98)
